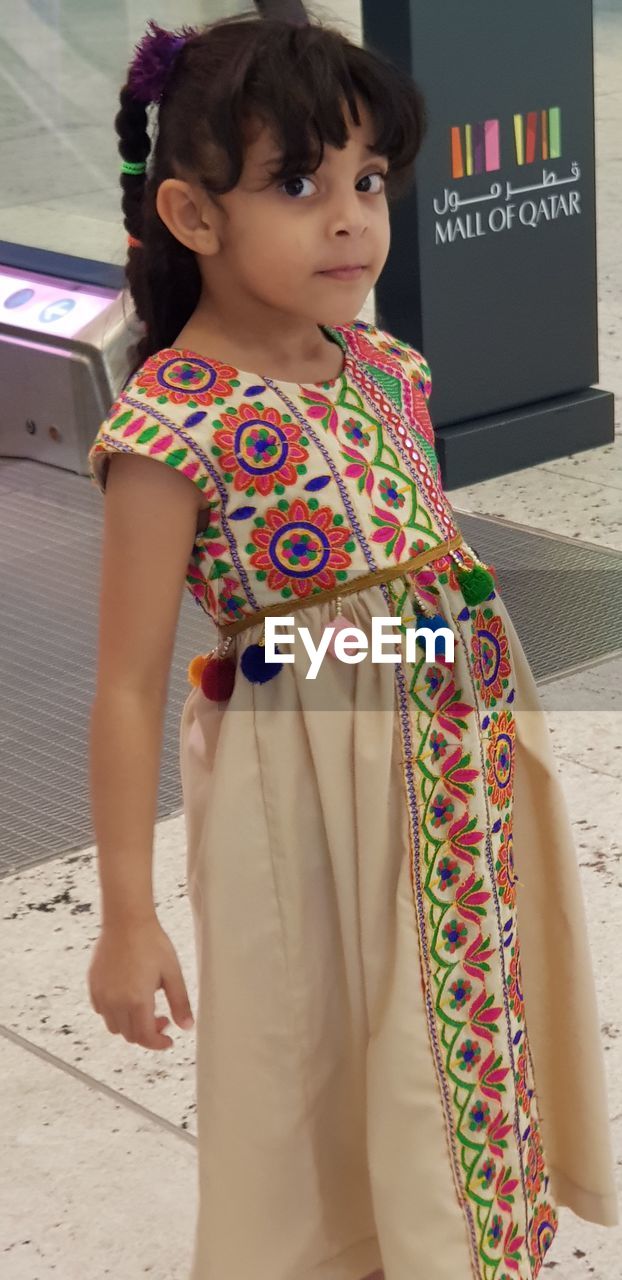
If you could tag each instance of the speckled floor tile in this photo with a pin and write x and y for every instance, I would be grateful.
(569, 506)
(592, 467)
(593, 741)
(89, 1188)
(593, 801)
(584, 715)
(48, 925)
(594, 688)
(584, 1250)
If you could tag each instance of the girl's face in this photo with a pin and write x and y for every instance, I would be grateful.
(274, 242)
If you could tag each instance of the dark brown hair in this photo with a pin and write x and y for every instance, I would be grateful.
(293, 78)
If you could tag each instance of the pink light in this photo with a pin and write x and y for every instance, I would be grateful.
(57, 307)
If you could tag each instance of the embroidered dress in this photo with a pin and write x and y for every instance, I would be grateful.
(398, 1052)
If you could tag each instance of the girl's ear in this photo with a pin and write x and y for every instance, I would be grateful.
(180, 207)
(285, 10)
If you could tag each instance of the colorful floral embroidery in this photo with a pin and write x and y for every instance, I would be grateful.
(521, 1074)
(501, 752)
(301, 546)
(515, 991)
(464, 897)
(390, 493)
(490, 650)
(360, 443)
(354, 432)
(535, 1164)
(175, 378)
(542, 1232)
(132, 430)
(448, 873)
(506, 874)
(259, 450)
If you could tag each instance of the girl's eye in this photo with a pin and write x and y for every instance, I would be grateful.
(293, 182)
(368, 178)
(291, 186)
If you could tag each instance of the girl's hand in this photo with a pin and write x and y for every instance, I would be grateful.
(131, 962)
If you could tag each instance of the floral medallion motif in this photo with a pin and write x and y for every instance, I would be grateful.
(490, 650)
(300, 547)
(259, 450)
(177, 379)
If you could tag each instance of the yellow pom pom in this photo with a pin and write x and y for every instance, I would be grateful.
(196, 669)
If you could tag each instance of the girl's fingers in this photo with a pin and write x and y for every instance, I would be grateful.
(177, 995)
(122, 1019)
(139, 1027)
(146, 1030)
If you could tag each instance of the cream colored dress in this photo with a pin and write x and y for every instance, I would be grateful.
(398, 1053)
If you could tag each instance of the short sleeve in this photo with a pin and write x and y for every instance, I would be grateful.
(415, 371)
(413, 362)
(422, 373)
(158, 422)
(417, 367)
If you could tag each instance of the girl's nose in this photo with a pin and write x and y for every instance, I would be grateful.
(349, 216)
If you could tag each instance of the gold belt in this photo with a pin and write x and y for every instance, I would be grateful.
(346, 588)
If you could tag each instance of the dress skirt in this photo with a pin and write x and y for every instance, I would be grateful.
(398, 1053)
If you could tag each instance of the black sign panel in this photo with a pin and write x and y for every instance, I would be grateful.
(492, 270)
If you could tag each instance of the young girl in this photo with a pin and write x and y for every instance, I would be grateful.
(399, 1069)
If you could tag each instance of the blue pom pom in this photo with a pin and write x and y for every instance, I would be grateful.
(254, 665)
(434, 624)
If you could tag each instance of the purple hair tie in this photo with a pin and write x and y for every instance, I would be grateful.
(153, 61)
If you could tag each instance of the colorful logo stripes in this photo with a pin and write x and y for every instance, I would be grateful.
(526, 135)
(475, 148)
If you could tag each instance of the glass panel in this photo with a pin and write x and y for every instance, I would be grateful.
(62, 64)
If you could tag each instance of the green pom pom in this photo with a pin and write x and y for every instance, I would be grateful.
(476, 584)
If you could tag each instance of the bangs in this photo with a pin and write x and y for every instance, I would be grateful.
(302, 83)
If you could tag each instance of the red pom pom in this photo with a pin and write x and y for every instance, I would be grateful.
(218, 679)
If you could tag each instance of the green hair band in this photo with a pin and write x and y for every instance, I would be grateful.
(129, 167)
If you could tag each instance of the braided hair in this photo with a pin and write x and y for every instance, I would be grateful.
(292, 72)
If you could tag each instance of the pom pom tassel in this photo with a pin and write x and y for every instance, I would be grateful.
(214, 674)
(339, 623)
(218, 679)
(255, 667)
(433, 624)
(476, 584)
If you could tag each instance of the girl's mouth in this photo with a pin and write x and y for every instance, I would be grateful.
(344, 273)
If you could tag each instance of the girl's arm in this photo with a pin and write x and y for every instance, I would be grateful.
(150, 518)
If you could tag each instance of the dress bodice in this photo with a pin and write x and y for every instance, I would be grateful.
(303, 485)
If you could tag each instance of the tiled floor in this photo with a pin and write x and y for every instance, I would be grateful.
(98, 1177)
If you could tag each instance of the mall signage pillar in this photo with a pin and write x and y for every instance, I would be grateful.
(492, 268)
